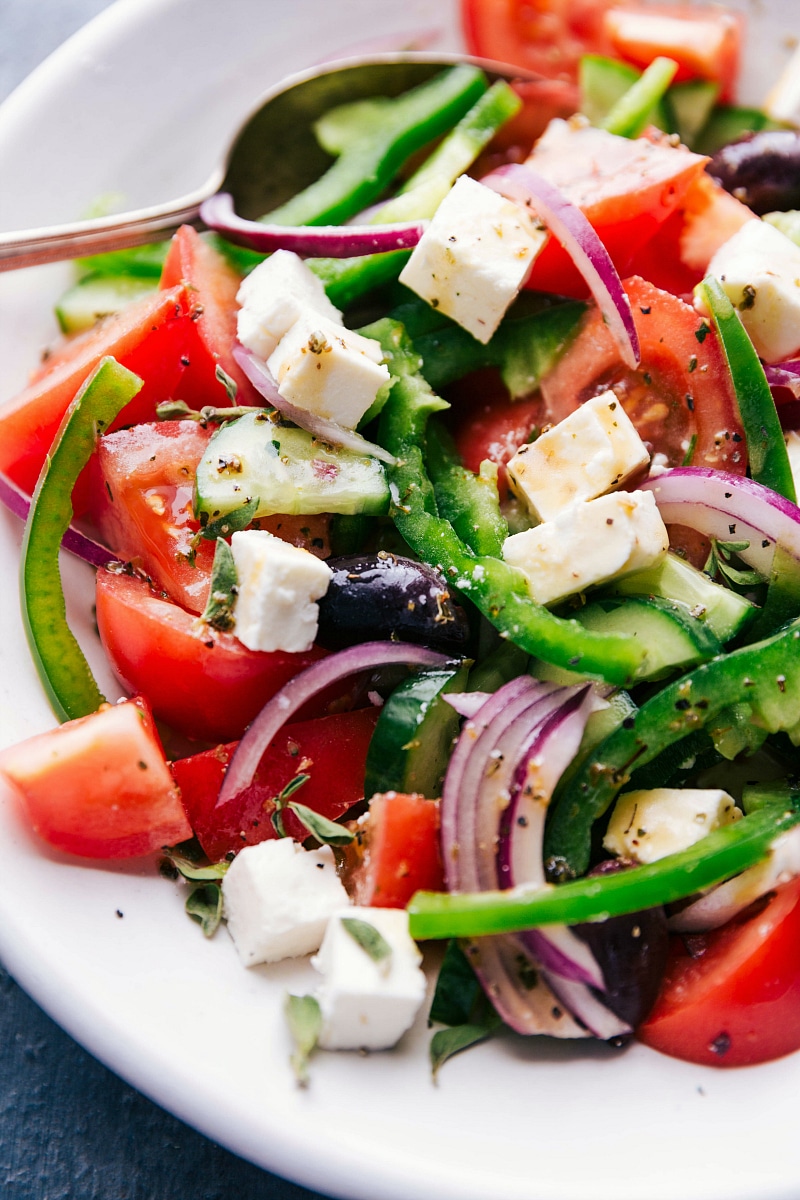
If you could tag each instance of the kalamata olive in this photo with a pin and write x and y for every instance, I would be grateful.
(383, 596)
(761, 169)
(632, 954)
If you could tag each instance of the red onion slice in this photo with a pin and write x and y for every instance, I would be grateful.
(319, 427)
(285, 703)
(77, 543)
(309, 241)
(571, 228)
(729, 508)
(519, 989)
(587, 1008)
(784, 375)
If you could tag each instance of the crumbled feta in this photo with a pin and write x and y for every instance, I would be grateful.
(327, 369)
(273, 296)
(649, 825)
(588, 543)
(474, 256)
(278, 898)
(591, 451)
(368, 1005)
(759, 269)
(278, 587)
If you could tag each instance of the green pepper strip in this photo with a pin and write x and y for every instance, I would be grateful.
(469, 502)
(766, 448)
(716, 857)
(631, 113)
(369, 164)
(765, 676)
(64, 671)
(347, 279)
(498, 590)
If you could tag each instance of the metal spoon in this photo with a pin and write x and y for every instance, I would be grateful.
(271, 157)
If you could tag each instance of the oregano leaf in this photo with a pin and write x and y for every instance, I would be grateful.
(325, 831)
(370, 939)
(204, 905)
(304, 1018)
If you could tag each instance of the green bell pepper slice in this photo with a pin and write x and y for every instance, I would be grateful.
(64, 671)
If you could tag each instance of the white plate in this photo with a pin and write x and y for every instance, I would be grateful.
(139, 103)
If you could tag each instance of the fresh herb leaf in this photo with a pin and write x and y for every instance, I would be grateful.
(325, 831)
(204, 905)
(281, 800)
(690, 449)
(219, 609)
(305, 1023)
(370, 939)
(230, 385)
(232, 522)
(191, 870)
(459, 998)
(447, 1042)
(176, 410)
(719, 563)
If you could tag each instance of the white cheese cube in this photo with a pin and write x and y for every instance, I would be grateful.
(368, 1005)
(649, 825)
(328, 370)
(278, 898)
(589, 543)
(278, 587)
(759, 269)
(273, 296)
(474, 257)
(591, 451)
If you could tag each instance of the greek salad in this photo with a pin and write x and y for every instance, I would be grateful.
(448, 550)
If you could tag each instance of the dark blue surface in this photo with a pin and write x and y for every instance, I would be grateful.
(69, 1128)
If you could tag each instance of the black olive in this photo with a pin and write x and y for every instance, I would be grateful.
(761, 169)
(631, 951)
(385, 597)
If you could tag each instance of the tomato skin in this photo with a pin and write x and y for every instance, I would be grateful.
(332, 751)
(738, 1003)
(212, 284)
(150, 338)
(397, 853)
(207, 686)
(681, 357)
(486, 424)
(705, 42)
(99, 786)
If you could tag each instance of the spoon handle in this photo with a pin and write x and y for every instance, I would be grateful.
(31, 247)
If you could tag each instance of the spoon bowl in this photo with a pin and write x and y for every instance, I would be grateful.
(272, 155)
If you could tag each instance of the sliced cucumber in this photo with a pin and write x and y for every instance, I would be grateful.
(729, 122)
(287, 470)
(673, 637)
(98, 296)
(723, 611)
(413, 738)
(691, 104)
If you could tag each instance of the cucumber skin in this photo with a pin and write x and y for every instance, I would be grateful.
(413, 738)
(673, 636)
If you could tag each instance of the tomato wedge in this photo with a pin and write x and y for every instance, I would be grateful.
(545, 36)
(99, 786)
(396, 852)
(212, 283)
(150, 338)
(206, 685)
(735, 1000)
(332, 751)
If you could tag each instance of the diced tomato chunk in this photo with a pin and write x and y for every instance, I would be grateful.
(704, 41)
(99, 786)
(150, 338)
(212, 283)
(332, 751)
(204, 684)
(486, 424)
(545, 36)
(735, 999)
(397, 851)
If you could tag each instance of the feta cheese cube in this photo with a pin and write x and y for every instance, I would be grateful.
(759, 269)
(589, 543)
(278, 587)
(327, 369)
(368, 1005)
(649, 825)
(273, 296)
(591, 451)
(277, 899)
(474, 257)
